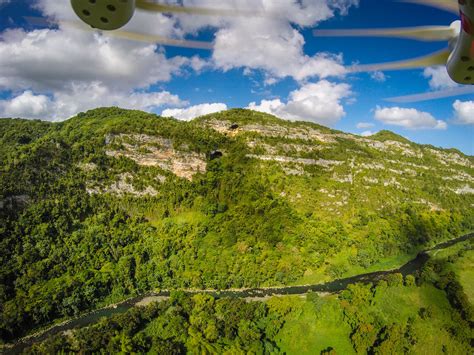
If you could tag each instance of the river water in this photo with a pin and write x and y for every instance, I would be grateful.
(334, 286)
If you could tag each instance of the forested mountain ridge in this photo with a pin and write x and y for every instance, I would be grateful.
(115, 202)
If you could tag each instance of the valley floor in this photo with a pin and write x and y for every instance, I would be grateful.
(316, 309)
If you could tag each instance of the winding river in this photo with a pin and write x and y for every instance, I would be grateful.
(255, 293)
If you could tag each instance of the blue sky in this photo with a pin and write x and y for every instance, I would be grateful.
(259, 63)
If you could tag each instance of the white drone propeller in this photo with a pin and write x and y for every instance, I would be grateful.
(458, 57)
(447, 5)
(432, 59)
(422, 33)
(148, 5)
(110, 16)
(432, 95)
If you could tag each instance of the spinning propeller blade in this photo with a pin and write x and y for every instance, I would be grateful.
(448, 5)
(424, 33)
(432, 95)
(148, 5)
(135, 36)
(436, 58)
(154, 39)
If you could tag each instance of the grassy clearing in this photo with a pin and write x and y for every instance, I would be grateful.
(340, 260)
(402, 304)
(309, 331)
(312, 327)
(388, 263)
(465, 269)
(461, 259)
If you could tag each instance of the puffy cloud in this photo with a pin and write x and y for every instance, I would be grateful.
(55, 73)
(269, 42)
(378, 76)
(439, 78)
(367, 133)
(191, 112)
(81, 97)
(464, 112)
(47, 60)
(316, 102)
(409, 118)
(363, 125)
(26, 105)
(272, 42)
(273, 48)
(303, 13)
(274, 107)
(58, 72)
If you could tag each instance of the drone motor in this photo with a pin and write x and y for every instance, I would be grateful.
(461, 61)
(105, 15)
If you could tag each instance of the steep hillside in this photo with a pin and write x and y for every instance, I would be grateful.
(114, 202)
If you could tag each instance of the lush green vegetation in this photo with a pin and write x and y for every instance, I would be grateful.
(394, 316)
(458, 261)
(79, 229)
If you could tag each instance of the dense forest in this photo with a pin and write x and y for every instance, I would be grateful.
(113, 203)
(427, 313)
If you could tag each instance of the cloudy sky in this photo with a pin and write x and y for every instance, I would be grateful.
(270, 63)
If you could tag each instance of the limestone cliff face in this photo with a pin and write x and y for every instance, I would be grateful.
(321, 169)
(344, 165)
(313, 167)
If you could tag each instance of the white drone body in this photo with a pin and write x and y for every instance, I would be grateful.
(460, 64)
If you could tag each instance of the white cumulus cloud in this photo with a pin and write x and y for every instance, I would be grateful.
(49, 60)
(26, 105)
(319, 102)
(378, 76)
(464, 112)
(272, 43)
(81, 97)
(439, 78)
(273, 48)
(363, 125)
(55, 73)
(191, 112)
(409, 118)
(367, 133)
